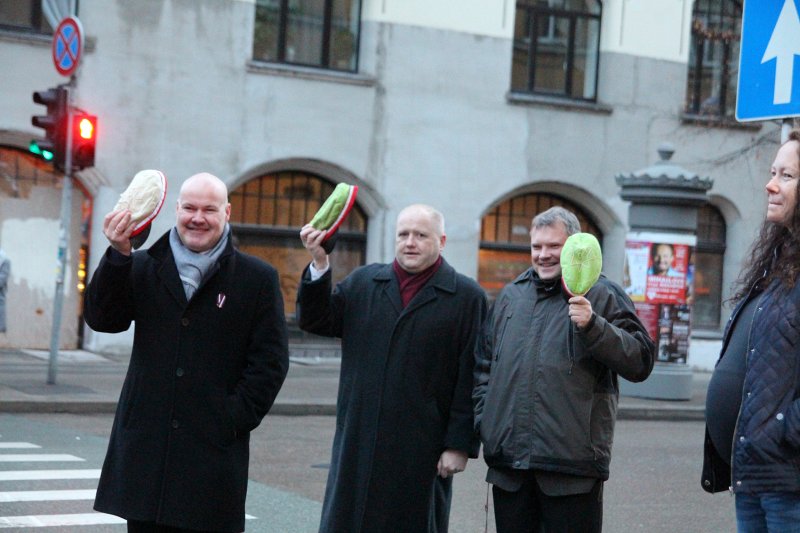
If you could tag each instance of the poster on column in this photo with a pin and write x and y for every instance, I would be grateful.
(659, 276)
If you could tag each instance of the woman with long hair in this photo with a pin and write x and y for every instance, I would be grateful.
(752, 443)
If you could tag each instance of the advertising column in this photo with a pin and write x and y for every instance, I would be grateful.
(659, 268)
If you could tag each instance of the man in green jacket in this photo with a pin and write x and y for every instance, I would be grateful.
(546, 389)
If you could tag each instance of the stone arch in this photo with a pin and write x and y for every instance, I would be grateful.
(272, 201)
(500, 261)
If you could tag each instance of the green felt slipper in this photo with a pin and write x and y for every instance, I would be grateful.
(581, 263)
(333, 212)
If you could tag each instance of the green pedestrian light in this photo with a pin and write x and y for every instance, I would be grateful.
(34, 148)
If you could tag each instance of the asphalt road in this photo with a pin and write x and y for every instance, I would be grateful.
(654, 485)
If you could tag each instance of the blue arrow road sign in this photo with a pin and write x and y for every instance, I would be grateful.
(769, 83)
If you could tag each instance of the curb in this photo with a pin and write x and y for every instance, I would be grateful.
(83, 408)
(105, 407)
(671, 414)
(635, 412)
(303, 409)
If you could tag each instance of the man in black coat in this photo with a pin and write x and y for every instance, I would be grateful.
(209, 357)
(404, 410)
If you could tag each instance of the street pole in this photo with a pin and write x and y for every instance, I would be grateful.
(63, 243)
(786, 128)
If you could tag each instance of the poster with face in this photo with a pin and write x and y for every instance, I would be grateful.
(666, 275)
(658, 278)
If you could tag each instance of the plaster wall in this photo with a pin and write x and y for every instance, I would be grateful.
(658, 29)
(29, 235)
(479, 17)
(28, 67)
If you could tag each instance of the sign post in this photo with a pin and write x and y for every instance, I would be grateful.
(768, 87)
(67, 49)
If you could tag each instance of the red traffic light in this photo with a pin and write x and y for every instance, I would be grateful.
(84, 137)
(86, 127)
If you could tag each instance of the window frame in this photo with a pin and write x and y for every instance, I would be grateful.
(710, 220)
(531, 11)
(703, 33)
(36, 21)
(325, 52)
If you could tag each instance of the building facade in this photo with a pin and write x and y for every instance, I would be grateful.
(488, 110)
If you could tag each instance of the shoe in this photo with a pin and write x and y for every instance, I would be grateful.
(144, 197)
(333, 212)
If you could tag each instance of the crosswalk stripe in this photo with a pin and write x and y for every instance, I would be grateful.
(36, 457)
(17, 445)
(46, 495)
(29, 475)
(54, 520)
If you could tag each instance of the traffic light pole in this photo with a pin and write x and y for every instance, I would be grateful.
(63, 243)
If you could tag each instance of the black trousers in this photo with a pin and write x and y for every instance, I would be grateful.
(529, 510)
(135, 526)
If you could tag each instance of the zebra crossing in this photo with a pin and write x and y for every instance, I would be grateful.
(41, 488)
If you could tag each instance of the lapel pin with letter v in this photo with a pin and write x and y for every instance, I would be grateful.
(220, 299)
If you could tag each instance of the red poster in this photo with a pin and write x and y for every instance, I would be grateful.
(648, 314)
(666, 273)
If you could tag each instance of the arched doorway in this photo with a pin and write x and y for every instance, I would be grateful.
(505, 237)
(267, 213)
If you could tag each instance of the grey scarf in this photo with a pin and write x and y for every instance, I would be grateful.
(194, 267)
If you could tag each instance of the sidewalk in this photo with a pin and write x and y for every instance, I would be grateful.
(90, 383)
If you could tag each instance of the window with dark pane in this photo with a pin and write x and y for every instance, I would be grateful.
(312, 33)
(713, 58)
(709, 255)
(556, 48)
(505, 246)
(24, 16)
(267, 214)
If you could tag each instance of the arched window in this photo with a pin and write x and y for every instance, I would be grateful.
(505, 248)
(709, 257)
(266, 216)
(713, 58)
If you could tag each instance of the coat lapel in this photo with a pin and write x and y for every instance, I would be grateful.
(444, 279)
(391, 289)
(166, 271)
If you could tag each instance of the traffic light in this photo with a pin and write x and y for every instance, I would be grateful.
(53, 123)
(84, 137)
